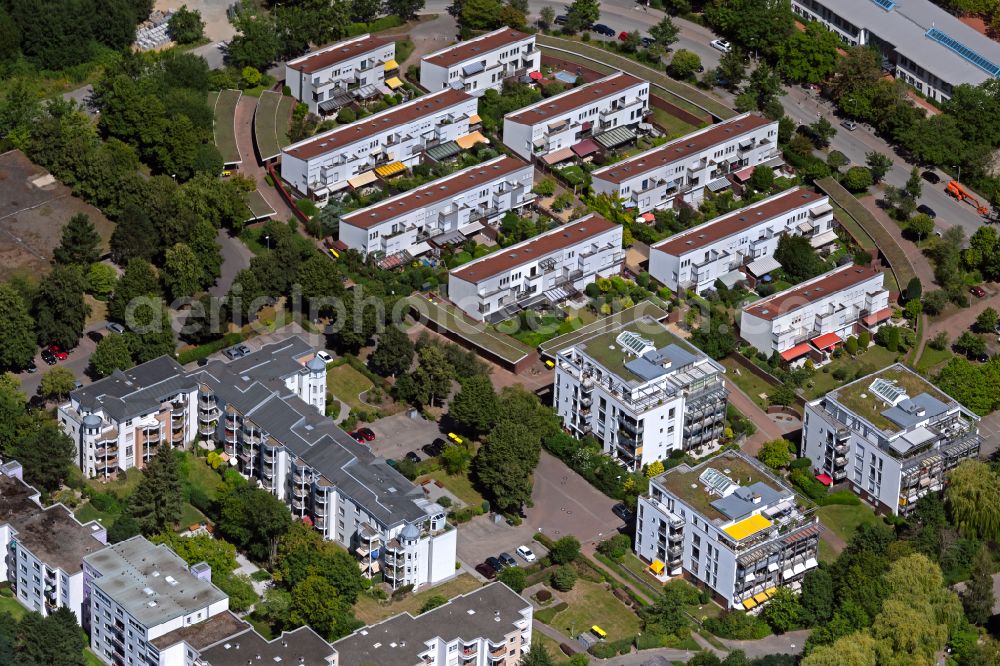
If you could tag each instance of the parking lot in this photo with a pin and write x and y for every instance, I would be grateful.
(399, 434)
(564, 503)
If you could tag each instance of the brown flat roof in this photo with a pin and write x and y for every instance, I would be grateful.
(476, 47)
(572, 99)
(203, 634)
(534, 248)
(337, 53)
(736, 221)
(362, 129)
(433, 192)
(791, 299)
(680, 148)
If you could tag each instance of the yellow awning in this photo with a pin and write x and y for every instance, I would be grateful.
(474, 119)
(392, 64)
(760, 597)
(469, 140)
(749, 603)
(656, 567)
(770, 591)
(362, 179)
(747, 527)
(394, 82)
(390, 169)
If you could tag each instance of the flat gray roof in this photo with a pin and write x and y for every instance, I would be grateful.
(301, 647)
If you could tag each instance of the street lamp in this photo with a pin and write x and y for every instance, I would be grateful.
(959, 167)
(267, 239)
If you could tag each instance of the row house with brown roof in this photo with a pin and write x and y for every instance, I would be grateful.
(351, 155)
(481, 64)
(742, 242)
(335, 75)
(409, 222)
(558, 123)
(682, 169)
(549, 267)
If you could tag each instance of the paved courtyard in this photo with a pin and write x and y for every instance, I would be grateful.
(564, 503)
(398, 434)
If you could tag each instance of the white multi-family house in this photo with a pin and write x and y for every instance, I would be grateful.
(406, 222)
(334, 76)
(558, 123)
(266, 411)
(814, 317)
(684, 167)
(353, 155)
(490, 626)
(551, 266)
(919, 41)
(641, 391)
(42, 547)
(892, 436)
(730, 524)
(742, 241)
(481, 64)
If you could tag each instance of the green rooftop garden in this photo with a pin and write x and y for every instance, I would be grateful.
(859, 398)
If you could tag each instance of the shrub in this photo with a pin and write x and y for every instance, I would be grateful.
(346, 115)
(565, 550)
(515, 578)
(444, 501)
(800, 463)
(608, 649)
(307, 206)
(648, 641)
(563, 578)
(737, 625)
(543, 596)
(615, 547)
(433, 602)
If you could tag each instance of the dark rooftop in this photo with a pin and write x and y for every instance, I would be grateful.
(301, 647)
(203, 634)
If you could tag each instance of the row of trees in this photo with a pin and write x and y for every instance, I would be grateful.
(32, 437)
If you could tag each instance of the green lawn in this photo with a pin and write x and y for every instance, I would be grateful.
(543, 329)
(844, 520)
(189, 516)
(86, 513)
(347, 384)
(826, 553)
(671, 124)
(11, 605)
(747, 381)
(590, 604)
(370, 611)
(931, 360)
(90, 659)
(874, 359)
(123, 486)
(251, 238)
(459, 484)
(201, 475)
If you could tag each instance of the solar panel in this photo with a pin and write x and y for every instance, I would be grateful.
(716, 481)
(887, 5)
(634, 343)
(888, 391)
(961, 49)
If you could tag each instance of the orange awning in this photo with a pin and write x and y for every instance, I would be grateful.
(826, 341)
(795, 352)
(876, 317)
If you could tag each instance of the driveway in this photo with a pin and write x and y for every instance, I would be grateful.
(564, 504)
(235, 257)
(398, 434)
(78, 361)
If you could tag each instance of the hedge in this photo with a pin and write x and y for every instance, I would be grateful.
(209, 348)
(608, 649)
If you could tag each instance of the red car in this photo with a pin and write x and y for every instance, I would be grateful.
(367, 434)
(57, 352)
(977, 291)
(358, 437)
(623, 36)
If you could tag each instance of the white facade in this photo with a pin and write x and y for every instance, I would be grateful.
(683, 167)
(482, 193)
(550, 265)
(649, 398)
(729, 524)
(921, 43)
(318, 77)
(696, 258)
(837, 303)
(891, 435)
(481, 64)
(42, 547)
(562, 121)
(323, 164)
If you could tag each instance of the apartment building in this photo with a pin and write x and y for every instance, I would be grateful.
(742, 242)
(42, 547)
(558, 123)
(816, 316)
(730, 524)
(136, 592)
(681, 169)
(641, 391)
(892, 436)
(336, 75)
(490, 626)
(920, 43)
(299, 647)
(409, 222)
(266, 409)
(551, 266)
(397, 137)
(481, 64)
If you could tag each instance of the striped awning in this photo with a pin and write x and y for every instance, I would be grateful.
(443, 151)
(394, 82)
(390, 169)
(392, 64)
(619, 136)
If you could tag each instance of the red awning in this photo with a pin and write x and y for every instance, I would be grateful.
(826, 341)
(824, 479)
(795, 352)
(743, 175)
(648, 217)
(876, 317)
(585, 148)
(587, 126)
(535, 76)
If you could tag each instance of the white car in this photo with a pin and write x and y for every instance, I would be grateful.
(721, 45)
(526, 553)
(324, 356)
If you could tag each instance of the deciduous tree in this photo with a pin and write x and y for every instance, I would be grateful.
(475, 408)
(46, 453)
(394, 353)
(182, 273)
(977, 599)
(776, 453)
(254, 519)
(185, 26)
(60, 311)
(112, 353)
(315, 602)
(973, 500)
(56, 383)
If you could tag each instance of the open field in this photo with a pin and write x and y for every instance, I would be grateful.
(590, 604)
(748, 382)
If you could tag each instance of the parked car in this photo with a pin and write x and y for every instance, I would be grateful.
(324, 356)
(983, 358)
(31, 368)
(236, 351)
(486, 571)
(367, 433)
(115, 327)
(391, 462)
(602, 29)
(95, 336)
(413, 457)
(979, 292)
(48, 357)
(57, 351)
(623, 35)
(926, 210)
(435, 448)
(494, 564)
(357, 437)
(849, 125)
(931, 177)
(526, 553)
(508, 559)
(647, 42)
(561, 19)
(622, 512)
(721, 45)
